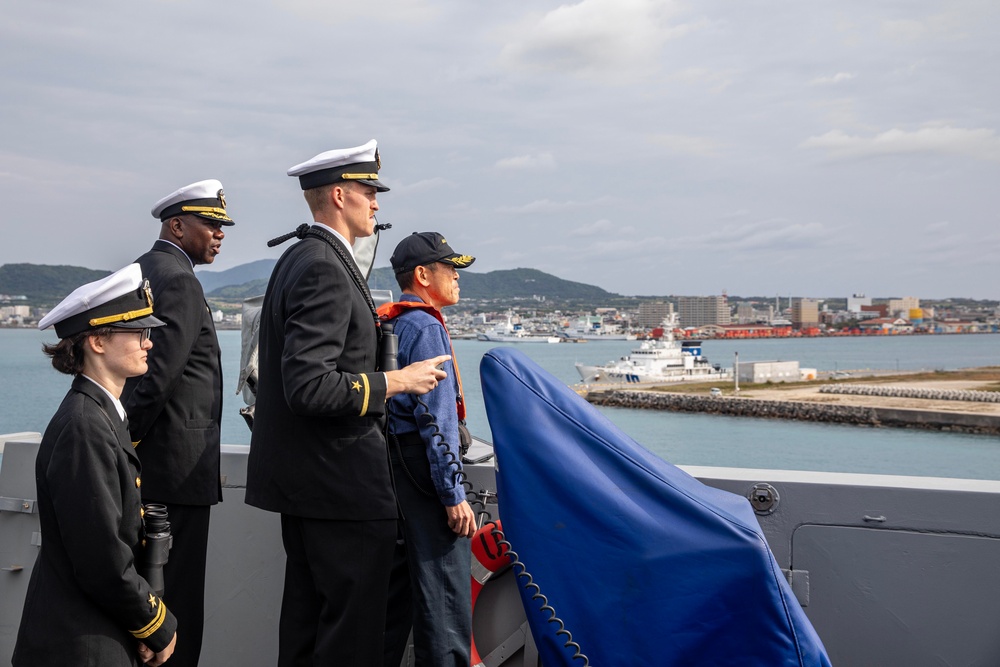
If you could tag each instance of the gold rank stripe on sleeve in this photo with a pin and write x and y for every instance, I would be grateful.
(367, 395)
(154, 625)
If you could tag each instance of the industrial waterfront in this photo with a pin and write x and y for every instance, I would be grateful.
(31, 391)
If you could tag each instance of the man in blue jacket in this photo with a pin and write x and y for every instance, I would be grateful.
(430, 585)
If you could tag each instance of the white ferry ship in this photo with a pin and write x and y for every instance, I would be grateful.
(512, 331)
(662, 360)
(593, 327)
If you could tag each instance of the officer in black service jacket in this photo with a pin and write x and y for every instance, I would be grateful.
(317, 453)
(86, 604)
(175, 409)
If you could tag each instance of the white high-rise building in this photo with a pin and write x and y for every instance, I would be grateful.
(696, 311)
(855, 302)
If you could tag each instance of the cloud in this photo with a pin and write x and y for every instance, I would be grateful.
(687, 145)
(549, 206)
(602, 227)
(839, 77)
(541, 161)
(598, 38)
(979, 143)
(336, 13)
(947, 246)
(426, 185)
(766, 235)
(716, 81)
(922, 29)
(612, 248)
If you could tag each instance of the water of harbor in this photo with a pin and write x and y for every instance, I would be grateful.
(31, 391)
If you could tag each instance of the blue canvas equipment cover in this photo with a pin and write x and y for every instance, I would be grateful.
(643, 563)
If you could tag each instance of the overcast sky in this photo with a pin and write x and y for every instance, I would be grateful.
(645, 146)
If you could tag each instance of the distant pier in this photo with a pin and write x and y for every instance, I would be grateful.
(950, 410)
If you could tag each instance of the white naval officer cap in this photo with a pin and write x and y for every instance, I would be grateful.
(122, 299)
(204, 199)
(359, 164)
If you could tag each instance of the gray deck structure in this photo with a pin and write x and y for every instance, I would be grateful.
(890, 570)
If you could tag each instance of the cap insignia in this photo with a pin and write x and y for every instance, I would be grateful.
(222, 198)
(378, 160)
(147, 291)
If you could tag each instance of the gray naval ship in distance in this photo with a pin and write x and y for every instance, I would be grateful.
(888, 570)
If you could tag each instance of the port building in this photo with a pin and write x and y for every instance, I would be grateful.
(697, 311)
(805, 313)
(652, 314)
(856, 301)
(760, 372)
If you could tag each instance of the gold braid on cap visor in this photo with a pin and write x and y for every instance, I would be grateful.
(212, 211)
(130, 315)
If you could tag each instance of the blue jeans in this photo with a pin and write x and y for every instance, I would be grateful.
(430, 586)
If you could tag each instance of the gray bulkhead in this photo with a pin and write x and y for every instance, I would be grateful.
(890, 570)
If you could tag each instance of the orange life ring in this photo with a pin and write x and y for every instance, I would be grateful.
(489, 557)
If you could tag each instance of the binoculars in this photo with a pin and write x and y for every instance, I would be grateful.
(388, 348)
(155, 546)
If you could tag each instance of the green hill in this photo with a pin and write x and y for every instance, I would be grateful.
(41, 282)
(507, 284)
(47, 284)
(238, 275)
(239, 292)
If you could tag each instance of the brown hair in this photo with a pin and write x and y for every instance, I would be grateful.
(318, 198)
(405, 279)
(67, 354)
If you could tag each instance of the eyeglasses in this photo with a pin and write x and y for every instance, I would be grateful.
(143, 333)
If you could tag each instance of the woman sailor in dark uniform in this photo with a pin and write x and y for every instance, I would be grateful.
(86, 603)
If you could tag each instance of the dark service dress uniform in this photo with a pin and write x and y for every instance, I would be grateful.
(318, 456)
(175, 416)
(86, 605)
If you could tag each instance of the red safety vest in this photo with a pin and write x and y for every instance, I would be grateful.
(389, 311)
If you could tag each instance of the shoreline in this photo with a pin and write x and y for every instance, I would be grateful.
(950, 403)
(471, 335)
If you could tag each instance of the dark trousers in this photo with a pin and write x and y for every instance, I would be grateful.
(184, 579)
(430, 588)
(336, 579)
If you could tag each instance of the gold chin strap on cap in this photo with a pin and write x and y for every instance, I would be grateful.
(356, 177)
(121, 317)
(132, 314)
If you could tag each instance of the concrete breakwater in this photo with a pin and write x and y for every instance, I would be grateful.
(913, 392)
(816, 412)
